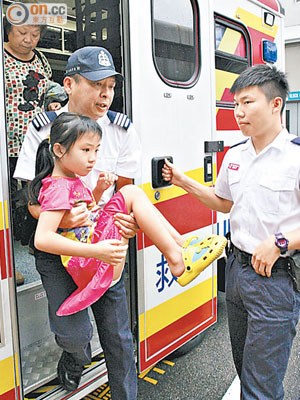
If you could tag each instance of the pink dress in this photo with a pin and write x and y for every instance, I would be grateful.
(92, 276)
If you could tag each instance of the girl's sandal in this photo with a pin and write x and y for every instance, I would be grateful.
(192, 241)
(199, 254)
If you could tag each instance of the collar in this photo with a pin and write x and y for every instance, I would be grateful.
(65, 108)
(103, 121)
(278, 143)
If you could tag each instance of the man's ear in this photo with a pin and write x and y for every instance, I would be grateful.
(277, 104)
(68, 83)
(58, 150)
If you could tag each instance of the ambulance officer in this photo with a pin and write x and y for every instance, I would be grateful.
(90, 81)
(259, 185)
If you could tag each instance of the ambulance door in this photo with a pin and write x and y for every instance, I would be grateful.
(293, 117)
(246, 33)
(9, 355)
(39, 351)
(171, 61)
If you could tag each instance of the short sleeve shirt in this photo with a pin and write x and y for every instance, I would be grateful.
(120, 153)
(60, 193)
(264, 189)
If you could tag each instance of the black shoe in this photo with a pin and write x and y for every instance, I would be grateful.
(69, 372)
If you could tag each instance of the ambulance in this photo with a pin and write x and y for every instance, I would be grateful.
(180, 58)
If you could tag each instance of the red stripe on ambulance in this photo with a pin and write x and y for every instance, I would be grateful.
(8, 253)
(206, 312)
(257, 38)
(270, 3)
(10, 395)
(2, 256)
(226, 120)
(185, 213)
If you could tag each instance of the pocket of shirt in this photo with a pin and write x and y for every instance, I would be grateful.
(106, 164)
(276, 193)
(234, 178)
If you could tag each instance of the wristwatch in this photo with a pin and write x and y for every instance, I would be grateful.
(281, 242)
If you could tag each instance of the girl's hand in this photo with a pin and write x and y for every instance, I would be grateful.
(54, 106)
(79, 215)
(110, 251)
(105, 180)
(172, 174)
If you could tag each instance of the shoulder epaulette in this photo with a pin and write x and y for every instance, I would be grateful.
(237, 144)
(119, 119)
(43, 119)
(296, 141)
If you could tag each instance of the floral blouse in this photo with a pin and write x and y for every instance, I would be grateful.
(26, 83)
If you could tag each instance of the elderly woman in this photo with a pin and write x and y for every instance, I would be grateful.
(27, 75)
(27, 78)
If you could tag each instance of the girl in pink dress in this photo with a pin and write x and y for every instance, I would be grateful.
(96, 254)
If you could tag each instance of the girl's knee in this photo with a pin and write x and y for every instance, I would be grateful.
(128, 188)
(131, 192)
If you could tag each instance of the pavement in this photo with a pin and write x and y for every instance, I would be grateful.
(207, 372)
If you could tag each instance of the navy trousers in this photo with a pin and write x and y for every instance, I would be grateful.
(262, 316)
(74, 332)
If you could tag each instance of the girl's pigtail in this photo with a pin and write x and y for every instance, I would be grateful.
(44, 165)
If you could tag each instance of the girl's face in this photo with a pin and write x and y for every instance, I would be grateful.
(80, 158)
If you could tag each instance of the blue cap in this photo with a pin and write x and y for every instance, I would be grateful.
(93, 63)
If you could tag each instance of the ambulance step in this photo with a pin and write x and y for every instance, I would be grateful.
(93, 377)
(39, 361)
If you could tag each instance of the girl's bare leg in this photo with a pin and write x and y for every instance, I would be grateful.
(156, 227)
(118, 269)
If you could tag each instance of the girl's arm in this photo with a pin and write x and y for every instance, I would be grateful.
(48, 240)
(77, 216)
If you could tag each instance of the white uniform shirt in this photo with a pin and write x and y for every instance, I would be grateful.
(264, 188)
(119, 152)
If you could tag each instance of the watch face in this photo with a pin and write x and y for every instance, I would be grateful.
(282, 242)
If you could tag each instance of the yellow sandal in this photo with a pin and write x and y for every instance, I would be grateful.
(199, 254)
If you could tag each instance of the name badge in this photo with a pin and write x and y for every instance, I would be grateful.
(234, 167)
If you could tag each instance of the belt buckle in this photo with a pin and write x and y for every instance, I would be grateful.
(242, 257)
(247, 259)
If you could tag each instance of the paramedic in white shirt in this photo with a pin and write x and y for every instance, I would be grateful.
(89, 82)
(259, 185)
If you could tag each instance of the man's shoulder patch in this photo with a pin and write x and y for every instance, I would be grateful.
(296, 141)
(119, 119)
(43, 119)
(237, 144)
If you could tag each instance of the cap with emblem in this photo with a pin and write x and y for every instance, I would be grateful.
(93, 63)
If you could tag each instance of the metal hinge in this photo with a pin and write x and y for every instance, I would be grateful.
(213, 146)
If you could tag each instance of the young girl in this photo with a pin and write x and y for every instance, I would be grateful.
(96, 254)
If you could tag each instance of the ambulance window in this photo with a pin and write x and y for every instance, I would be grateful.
(175, 27)
(232, 56)
(51, 38)
(69, 40)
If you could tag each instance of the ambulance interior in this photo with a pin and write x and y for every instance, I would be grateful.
(39, 352)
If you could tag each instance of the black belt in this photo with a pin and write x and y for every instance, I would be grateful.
(245, 258)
